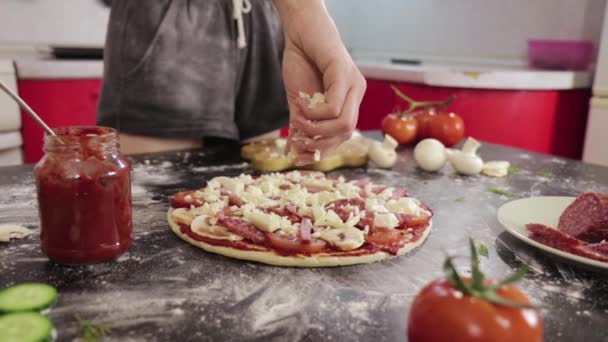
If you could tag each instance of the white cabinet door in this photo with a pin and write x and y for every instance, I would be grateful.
(10, 117)
(596, 139)
(600, 84)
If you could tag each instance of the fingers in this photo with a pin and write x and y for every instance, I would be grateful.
(307, 148)
(345, 123)
(325, 145)
(337, 83)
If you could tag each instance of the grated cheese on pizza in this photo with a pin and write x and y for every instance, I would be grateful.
(306, 208)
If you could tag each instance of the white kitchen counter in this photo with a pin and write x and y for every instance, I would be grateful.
(30, 68)
(475, 77)
(432, 75)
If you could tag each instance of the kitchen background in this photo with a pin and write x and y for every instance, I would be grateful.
(475, 49)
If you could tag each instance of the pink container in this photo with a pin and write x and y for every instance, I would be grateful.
(560, 54)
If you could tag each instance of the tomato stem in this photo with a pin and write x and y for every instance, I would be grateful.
(413, 104)
(477, 287)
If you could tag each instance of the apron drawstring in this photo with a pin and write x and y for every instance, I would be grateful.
(240, 7)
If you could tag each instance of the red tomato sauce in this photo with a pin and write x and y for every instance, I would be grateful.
(84, 197)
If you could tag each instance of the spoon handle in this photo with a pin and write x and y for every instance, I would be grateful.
(26, 107)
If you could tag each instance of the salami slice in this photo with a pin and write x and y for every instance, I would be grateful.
(339, 206)
(305, 232)
(243, 228)
(233, 199)
(599, 248)
(586, 218)
(558, 240)
(552, 237)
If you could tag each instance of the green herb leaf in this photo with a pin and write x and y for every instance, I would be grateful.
(91, 331)
(513, 169)
(502, 192)
(482, 250)
(459, 199)
(545, 174)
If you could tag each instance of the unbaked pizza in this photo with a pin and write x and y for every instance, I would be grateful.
(304, 219)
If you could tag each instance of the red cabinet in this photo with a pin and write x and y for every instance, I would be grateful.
(546, 121)
(59, 102)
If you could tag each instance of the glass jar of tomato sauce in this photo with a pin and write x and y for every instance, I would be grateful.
(84, 196)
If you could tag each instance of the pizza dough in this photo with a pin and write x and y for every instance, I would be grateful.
(302, 219)
(267, 156)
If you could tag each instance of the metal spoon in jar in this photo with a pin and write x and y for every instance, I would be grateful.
(26, 107)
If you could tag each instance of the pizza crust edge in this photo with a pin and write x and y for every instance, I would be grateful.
(272, 258)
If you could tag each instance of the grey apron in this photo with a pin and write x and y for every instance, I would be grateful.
(180, 69)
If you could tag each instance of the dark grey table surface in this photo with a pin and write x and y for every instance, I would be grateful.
(163, 289)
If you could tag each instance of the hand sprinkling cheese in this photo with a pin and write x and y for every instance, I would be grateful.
(313, 100)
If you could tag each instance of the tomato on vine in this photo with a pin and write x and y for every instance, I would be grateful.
(403, 128)
(432, 120)
(458, 309)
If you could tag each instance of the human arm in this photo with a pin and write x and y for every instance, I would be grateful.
(315, 60)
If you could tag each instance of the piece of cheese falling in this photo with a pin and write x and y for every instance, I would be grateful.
(317, 156)
(13, 231)
(496, 168)
(313, 100)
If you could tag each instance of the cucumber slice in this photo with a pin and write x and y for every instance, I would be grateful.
(27, 297)
(25, 327)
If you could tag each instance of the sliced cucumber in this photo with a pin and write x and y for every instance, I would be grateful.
(25, 327)
(27, 297)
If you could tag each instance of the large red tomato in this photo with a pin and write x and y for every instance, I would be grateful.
(441, 312)
(403, 128)
(459, 309)
(447, 128)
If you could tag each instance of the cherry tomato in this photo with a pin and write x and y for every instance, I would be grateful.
(401, 128)
(424, 118)
(441, 312)
(295, 245)
(384, 236)
(447, 128)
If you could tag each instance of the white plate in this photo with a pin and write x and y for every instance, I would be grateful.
(546, 210)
